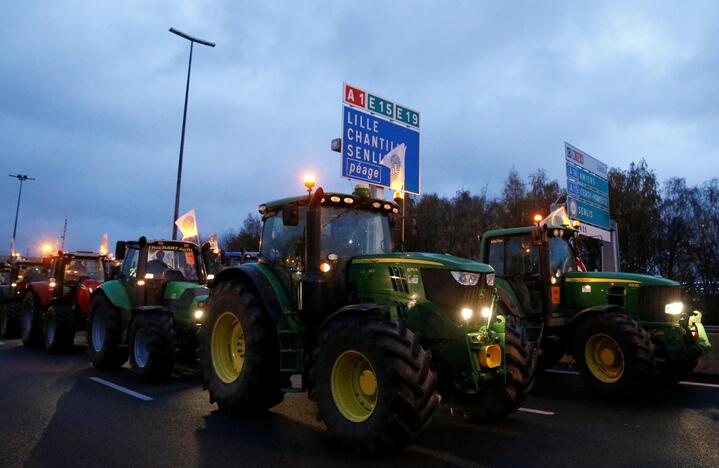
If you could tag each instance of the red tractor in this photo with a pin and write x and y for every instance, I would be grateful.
(54, 309)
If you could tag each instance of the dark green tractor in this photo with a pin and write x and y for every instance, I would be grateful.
(623, 330)
(375, 336)
(151, 310)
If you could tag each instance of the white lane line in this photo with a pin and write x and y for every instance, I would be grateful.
(122, 389)
(699, 384)
(536, 411)
(1, 343)
(560, 371)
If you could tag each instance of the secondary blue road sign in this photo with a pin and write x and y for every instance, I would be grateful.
(380, 141)
(587, 188)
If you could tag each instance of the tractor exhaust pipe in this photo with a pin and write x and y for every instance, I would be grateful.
(313, 284)
(314, 232)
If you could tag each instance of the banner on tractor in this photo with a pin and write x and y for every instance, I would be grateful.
(214, 245)
(187, 224)
(105, 244)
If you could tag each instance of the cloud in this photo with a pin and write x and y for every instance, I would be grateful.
(91, 99)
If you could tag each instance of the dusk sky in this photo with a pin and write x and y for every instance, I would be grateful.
(91, 97)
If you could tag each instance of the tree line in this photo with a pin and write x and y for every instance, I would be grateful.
(669, 229)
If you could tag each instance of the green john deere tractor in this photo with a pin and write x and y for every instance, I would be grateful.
(375, 336)
(151, 310)
(622, 329)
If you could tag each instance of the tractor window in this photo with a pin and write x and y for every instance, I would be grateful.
(350, 231)
(284, 244)
(522, 258)
(77, 268)
(496, 255)
(129, 266)
(561, 257)
(167, 261)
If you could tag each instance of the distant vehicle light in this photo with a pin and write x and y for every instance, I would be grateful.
(149, 276)
(210, 277)
(325, 267)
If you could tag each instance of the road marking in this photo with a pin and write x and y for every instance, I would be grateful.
(699, 384)
(536, 411)
(122, 389)
(560, 371)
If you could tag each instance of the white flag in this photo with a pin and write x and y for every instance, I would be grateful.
(105, 244)
(187, 223)
(395, 161)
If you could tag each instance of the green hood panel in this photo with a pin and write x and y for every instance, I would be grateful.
(175, 289)
(610, 277)
(117, 294)
(426, 260)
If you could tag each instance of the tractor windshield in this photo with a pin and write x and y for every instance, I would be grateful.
(347, 232)
(77, 268)
(562, 258)
(30, 272)
(172, 262)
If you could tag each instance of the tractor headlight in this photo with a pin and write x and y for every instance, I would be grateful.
(486, 312)
(490, 279)
(465, 278)
(466, 313)
(674, 308)
(13, 284)
(199, 313)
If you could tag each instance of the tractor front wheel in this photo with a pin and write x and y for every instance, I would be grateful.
(615, 355)
(59, 329)
(239, 351)
(152, 345)
(104, 334)
(10, 319)
(372, 383)
(504, 395)
(31, 320)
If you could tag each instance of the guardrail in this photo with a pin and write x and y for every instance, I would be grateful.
(712, 328)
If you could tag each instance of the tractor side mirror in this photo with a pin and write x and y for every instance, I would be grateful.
(291, 214)
(142, 241)
(415, 229)
(120, 250)
(539, 235)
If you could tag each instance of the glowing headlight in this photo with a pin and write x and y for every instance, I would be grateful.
(149, 276)
(467, 313)
(486, 312)
(210, 277)
(199, 313)
(490, 279)
(13, 284)
(465, 278)
(675, 308)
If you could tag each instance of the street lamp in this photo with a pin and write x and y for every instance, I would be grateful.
(184, 120)
(22, 178)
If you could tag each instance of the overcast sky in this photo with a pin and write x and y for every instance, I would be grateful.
(91, 97)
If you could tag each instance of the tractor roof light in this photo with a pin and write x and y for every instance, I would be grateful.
(398, 196)
(310, 182)
(46, 248)
(538, 218)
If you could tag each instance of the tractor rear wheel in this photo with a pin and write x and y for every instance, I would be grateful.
(31, 320)
(504, 396)
(372, 383)
(104, 334)
(59, 327)
(10, 318)
(615, 355)
(152, 345)
(239, 351)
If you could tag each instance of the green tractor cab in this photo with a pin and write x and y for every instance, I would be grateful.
(622, 329)
(17, 276)
(151, 311)
(375, 336)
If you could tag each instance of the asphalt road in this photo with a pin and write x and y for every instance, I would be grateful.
(59, 411)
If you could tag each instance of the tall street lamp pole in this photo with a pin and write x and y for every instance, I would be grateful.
(22, 178)
(184, 120)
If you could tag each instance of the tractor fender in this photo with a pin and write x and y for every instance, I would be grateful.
(374, 309)
(590, 312)
(116, 293)
(507, 296)
(260, 276)
(42, 290)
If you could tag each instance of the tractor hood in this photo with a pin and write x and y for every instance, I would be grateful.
(611, 277)
(426, 260)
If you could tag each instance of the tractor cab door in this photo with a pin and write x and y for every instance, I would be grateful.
(128, 273)
(518, 260)
(283, 248)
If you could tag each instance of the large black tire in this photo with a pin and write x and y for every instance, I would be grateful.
(504, 396)
(399, 402)
(31, 320)
(251, 383)
(152, 345)
(10, 319)
(624, 374)
(59, 329)
(104, 334)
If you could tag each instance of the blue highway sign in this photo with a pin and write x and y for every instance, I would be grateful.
(587, 188)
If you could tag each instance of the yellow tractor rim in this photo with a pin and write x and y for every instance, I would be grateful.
(354, 386)
(228, 347)
(604, 357)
